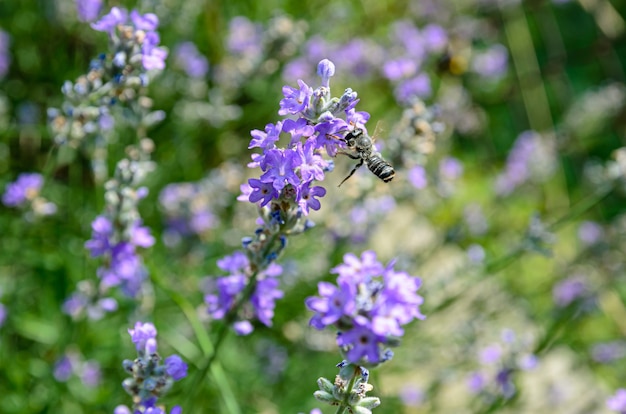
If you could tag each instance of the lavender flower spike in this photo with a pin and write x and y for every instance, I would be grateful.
(369, 307)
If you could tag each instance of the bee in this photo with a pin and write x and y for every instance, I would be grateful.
(361, 147)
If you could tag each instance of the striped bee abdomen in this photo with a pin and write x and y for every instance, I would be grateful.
(381, 168)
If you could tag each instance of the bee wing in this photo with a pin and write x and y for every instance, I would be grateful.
(380, 128)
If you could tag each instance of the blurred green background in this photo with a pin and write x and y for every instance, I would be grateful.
(564, 79)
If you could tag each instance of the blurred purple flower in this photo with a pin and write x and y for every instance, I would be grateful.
(590, 232)
(190, 60)
(22, 190)
(412, 396)
(607, 352)
(244, 38)
(450, 168)
(491, 63)
(65, 367)
(401, 68)
(491, 354)
(417, 177)
(476, 253)
(618, 401)
(418, 86)
(90, 373)
(109, 22)
(569, 290)
(476, 382)
(88, 10)
(435, 38)
(147, 22)
(153, 56)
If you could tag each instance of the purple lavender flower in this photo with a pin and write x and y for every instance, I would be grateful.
(22, 190)
(143, 335)
(230, 287)
(109, 22)
(369, 307)
(243, 328)
(264, 298)
(147, 22)
(281, 169)
(99, 243)
(296, 99)
(175, 367)
(617, 402)
(153, 56)
(326, 133)
(88, 10)
(307, 196)
(190, 60)
(298, 129)
(266, 140)
(261, 191)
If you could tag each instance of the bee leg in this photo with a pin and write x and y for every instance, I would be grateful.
(356, 167)
(354, 157)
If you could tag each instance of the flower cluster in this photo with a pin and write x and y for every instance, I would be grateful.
(289, 173)
(285, 191)
(368, 307)
(500, 361)
(115, 79)
(230, 288)
(116, 234)
(150, 379)
(23, 193)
